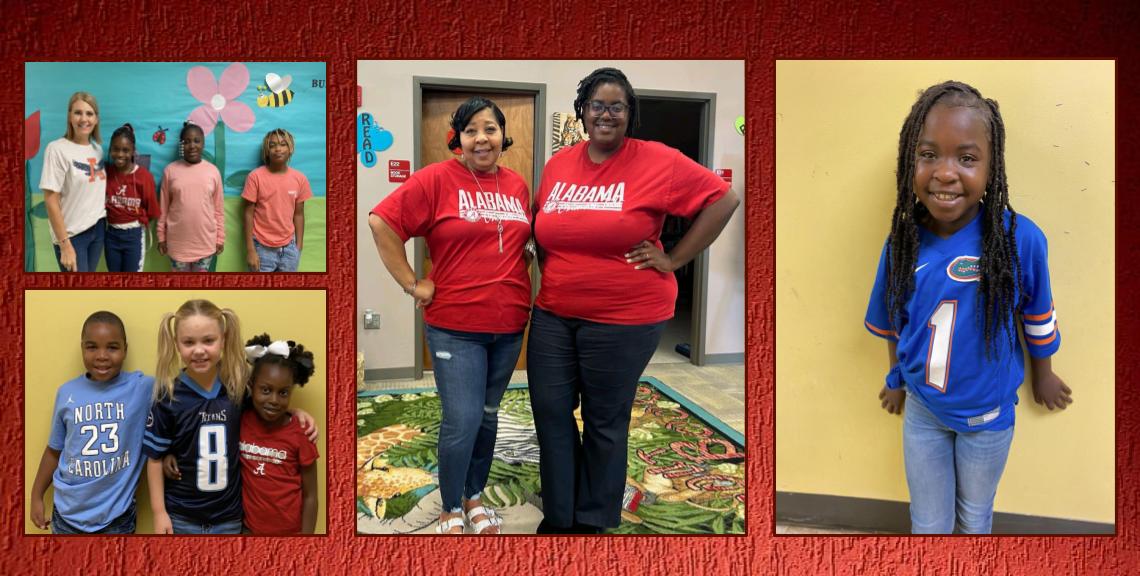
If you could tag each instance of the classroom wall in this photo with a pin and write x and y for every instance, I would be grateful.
(154, 95)
(53, 323)
(387, 95)
(837, 129)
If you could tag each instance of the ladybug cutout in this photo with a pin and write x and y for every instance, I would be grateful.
(160, 136)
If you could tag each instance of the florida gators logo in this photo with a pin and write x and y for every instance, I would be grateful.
(964, 269)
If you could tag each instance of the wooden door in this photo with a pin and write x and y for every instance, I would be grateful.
(437, 109)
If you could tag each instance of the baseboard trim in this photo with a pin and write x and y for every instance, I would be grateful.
(730, 358)
(401, 373)
(889, 516)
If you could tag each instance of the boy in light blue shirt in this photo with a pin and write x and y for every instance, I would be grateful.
(94, 453)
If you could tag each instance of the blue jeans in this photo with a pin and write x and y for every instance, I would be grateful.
(952, 476)
(472, 371)
(124, 524)
(187, 526)
(124, 249)
(286, 258)
(88, 246)
(571, 361)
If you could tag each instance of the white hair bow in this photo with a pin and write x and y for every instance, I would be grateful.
(280, 348)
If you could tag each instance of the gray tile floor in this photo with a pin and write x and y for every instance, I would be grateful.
(717, 389)
(796, 529)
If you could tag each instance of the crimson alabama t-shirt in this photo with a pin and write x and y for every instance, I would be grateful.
(477, 288)
(271, 463)
(588, 216)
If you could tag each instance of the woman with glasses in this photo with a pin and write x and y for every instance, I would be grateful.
(607, 291)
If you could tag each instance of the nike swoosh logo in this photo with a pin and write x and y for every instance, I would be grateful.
(921, 267)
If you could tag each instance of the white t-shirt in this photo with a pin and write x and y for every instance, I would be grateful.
(77, 173)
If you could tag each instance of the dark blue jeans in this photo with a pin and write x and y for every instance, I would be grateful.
(124, 249)
(472, 371)
(124, 524)
(570, 361)
(88, 246)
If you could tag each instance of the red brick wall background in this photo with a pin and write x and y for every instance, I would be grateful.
(759, 33)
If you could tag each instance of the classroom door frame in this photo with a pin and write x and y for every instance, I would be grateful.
(440, 84)
(707, 100)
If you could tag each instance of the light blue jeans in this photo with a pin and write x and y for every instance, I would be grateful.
(952, 476)
(187, 526)
(285, 258)
(472, 371)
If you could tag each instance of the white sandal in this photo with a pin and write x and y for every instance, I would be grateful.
(445, 526)
(491, 519)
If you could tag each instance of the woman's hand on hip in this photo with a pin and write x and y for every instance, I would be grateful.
(647, 255)
(424, 293)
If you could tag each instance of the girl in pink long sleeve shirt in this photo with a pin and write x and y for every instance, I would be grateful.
(192, 228)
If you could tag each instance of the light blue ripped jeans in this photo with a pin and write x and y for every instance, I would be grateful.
(472, 371)
(952, 476)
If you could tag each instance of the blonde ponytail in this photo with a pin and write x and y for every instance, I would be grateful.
(234, 372)
(169, 364)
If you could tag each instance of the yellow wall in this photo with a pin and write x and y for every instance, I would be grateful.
(53, 322)
(837, 128)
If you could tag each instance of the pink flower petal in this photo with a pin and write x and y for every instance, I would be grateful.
(202, 84)
(204, 116)
(238, 116)
(235, 79)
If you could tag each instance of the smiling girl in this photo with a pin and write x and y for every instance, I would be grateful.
(958, 272)
(274, 208)
(131, 205)
(74, 184)
(192, 227)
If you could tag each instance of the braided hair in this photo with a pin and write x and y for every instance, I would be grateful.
(589, 85)
(999, 292)
(126, 131)
(299, 362)
(285, 137)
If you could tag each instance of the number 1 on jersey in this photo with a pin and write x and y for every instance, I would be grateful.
(941, 336)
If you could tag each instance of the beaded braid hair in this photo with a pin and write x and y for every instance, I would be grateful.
(299, 363)
(187, 126)
(999, 293)
(285, 137)
(588, 85)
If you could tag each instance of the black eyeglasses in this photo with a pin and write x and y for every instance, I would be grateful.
(617, 110)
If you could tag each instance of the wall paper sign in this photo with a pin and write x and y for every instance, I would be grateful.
(399, 170)
(725, 174)
(364, 135)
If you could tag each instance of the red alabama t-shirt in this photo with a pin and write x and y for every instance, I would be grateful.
(271, 463)
(477, 288)
(587, 216)
(131, 197)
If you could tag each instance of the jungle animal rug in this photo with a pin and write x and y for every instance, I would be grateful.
(685, 472)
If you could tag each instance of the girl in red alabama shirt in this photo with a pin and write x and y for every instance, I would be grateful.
(131, 205)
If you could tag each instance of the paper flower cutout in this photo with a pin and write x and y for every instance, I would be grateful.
(220, 98)
(32, 135)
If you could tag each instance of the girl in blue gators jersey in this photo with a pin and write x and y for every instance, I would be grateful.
(957, 272)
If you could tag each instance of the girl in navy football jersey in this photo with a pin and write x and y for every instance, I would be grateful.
(958, 270)
(196, 417)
